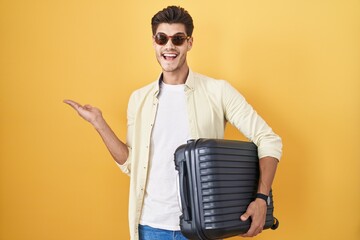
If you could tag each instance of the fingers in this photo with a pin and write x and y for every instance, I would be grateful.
(76, 105)
(68, 101)
(72, 103)
(249, 212)
(253, 231)
(256, 216)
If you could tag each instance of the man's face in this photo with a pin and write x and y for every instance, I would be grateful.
(170, 57)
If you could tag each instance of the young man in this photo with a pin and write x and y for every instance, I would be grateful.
(178, 106)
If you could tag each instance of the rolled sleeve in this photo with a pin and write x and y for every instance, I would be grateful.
(125, 168)
(242, 115)
(271, 147)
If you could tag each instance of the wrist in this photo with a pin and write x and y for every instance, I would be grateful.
(99, 123)
(263, 197)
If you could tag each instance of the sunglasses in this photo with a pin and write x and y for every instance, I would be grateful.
(177, 39)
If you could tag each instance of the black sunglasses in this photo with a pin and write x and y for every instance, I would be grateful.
(177, 39)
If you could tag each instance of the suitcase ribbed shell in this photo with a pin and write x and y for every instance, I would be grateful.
(218, 180)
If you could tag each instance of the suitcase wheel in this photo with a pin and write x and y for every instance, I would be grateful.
(276, 224)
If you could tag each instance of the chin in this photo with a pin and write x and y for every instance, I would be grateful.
(169, 68)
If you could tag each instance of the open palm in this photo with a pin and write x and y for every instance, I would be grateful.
(87, 112)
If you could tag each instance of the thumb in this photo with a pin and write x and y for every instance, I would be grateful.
(88, 106)
(245, 216)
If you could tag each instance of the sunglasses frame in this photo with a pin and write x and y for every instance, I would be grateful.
(171, 37)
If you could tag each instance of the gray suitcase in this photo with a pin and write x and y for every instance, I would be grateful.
(218, 179)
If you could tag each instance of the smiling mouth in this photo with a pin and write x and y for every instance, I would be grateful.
(169, 56)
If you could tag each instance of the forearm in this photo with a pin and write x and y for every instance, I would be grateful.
(268, 167)
(118, 150)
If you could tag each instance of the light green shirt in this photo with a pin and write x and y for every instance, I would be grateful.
(210, 104)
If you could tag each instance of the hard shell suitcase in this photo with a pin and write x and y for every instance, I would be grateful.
(218, 179)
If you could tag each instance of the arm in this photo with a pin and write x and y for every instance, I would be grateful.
(257, 209)
(118, 150)
(242, 115)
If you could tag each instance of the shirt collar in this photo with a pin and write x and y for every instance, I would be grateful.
(189, 83)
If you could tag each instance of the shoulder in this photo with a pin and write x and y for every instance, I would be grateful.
(145, 90)
(219, 89)
(142, 94)
(210, 83)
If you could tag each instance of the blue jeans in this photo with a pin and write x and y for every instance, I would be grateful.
(149, 233)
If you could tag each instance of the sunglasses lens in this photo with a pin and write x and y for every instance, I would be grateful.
(161, 38)
(178, 39)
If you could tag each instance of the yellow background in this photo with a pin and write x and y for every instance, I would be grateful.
(296, 62)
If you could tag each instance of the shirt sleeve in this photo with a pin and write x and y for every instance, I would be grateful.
(242, 115)
(126, 167)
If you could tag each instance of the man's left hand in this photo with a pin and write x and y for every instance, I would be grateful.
(257, 211)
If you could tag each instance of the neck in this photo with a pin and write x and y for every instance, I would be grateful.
(176, 77)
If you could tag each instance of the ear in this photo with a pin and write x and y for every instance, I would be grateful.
(190, 43)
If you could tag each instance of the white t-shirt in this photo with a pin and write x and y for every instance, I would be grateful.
(161, 207)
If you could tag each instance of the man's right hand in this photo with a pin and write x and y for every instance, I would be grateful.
(91, 114)
(119, 150)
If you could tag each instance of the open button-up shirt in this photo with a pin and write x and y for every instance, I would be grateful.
(210, 104)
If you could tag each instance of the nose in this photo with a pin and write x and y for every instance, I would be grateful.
(169, 44)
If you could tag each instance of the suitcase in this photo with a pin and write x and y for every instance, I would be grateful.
(218, 179)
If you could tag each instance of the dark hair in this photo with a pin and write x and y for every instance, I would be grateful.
(173, 14)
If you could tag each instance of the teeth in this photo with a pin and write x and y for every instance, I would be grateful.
(169, 55)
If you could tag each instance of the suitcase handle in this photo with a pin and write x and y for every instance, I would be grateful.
(183, 190)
